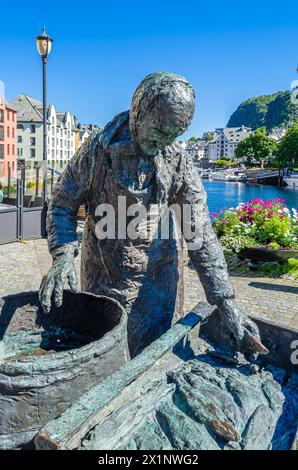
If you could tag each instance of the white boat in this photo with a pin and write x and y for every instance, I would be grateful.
(219, 176)
(229, 175)
(292, 181)
(204, 173)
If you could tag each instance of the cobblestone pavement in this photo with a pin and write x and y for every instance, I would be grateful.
(22, 266)
(273, 299)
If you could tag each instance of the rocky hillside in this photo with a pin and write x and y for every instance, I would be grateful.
(268, 110)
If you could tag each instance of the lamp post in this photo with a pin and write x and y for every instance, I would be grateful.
(44, 46)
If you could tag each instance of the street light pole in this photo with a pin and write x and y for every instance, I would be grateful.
(44, 116)
(44, 46)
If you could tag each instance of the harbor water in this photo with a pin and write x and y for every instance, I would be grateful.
(222, 195)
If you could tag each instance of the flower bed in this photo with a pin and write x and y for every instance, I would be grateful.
(257, 224)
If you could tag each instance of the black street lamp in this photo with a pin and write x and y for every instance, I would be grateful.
(44, 46)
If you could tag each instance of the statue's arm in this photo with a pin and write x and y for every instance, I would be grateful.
(208, 260)
(70, 192)
(204, 249)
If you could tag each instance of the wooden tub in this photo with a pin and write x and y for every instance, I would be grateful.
(48, 361)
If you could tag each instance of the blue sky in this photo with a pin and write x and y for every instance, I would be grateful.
(229, 51)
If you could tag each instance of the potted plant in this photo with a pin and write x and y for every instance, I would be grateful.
(259, 230)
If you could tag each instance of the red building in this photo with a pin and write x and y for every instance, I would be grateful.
(8, 138)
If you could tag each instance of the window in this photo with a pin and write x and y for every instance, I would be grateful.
(1, 133)
(1, 151)
(20, 152)
(8, 115)
(32, 128)
(32, 153)
(13, 117)
(8, 149)
(53, 142)
(12, 131)
(53, 120)
(20, 126)
(12, 152)
(8, 131)
(1, 115)
(32, 140)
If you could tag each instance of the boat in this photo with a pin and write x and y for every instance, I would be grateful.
(229, 175)
(205, 173)
(219, 176)
(292, 180)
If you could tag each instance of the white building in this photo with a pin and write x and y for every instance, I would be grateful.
(225, 142)
(197, 149)
(61, 133)
(83, 132)
(277, 133)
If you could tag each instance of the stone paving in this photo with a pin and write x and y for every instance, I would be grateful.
(23, 264)
(273, 299)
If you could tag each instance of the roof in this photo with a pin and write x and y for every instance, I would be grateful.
(198, 144)
(87, 127)
(10, 106)
(28, 108)
(233, 134)
(83, 132)
(31, 110)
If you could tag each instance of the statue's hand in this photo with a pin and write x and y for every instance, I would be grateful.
(62, 270)
(244, 330)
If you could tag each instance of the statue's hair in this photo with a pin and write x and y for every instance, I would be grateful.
(156, 88)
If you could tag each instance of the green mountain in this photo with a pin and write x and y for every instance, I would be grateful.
(268, 110)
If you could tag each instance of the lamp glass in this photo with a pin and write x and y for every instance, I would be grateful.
(44, 45)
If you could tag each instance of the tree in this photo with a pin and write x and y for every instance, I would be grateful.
(269, 111)
(192, 139)
(258, 146)
(208, 137)
(287, 150)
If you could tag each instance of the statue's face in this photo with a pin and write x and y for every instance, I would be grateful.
(157, 130)
(153, 136)
(162, 109)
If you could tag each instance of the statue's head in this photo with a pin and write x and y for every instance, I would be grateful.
(162, 108)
